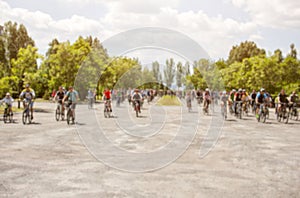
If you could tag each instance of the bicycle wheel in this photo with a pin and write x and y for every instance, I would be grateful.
(68, 116)
(57, 114)
(11, 117)
(24, 117)
(29, 116)
(105, 112)
(5, 116)
(286, 118)
(264, 117)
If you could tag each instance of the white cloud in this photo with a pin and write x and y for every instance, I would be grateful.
(272, 13)
(215, 34)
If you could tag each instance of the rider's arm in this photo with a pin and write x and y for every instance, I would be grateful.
(65, 97)
(21, 94)
(257, 96)
(33, 93)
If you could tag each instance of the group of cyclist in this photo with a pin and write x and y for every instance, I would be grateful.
(241, 100)
(231, 99)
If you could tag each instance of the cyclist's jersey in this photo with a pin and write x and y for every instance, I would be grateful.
(261, 97)
(137, 96)
(27, 94)
(232, 96)
(238, 97)
(72, 96)
(283, 98)
(206, 95)
(224, 98)
(294, 98)
(60, 95)
(7, 101)
(253, 96)
(107, 95)
(90, 94)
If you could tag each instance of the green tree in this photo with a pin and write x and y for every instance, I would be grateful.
(169, 72)
(246, 49)
(179, 74)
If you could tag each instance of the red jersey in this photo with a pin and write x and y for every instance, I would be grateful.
(107, 95)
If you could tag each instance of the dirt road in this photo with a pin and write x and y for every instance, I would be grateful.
(51, 159)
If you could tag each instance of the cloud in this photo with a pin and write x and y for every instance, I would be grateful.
(272, 13)
(215, 34)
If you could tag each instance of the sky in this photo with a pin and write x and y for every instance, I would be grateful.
(216, 25)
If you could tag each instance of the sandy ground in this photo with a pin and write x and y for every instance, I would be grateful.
(50, 159)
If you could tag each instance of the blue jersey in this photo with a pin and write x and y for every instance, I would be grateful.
(261, 97)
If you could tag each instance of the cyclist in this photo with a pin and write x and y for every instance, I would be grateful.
(137, 97)
(237, 98)
(207, 98)
(189, 101)
(72, 97)
(245, 99)
(107, 98)
(253, 96)
(261, 97)
(224, 99)
(8, 100)
(90, 96)
(282, 98)
(28, 94)
(293, 99)
(59, 96)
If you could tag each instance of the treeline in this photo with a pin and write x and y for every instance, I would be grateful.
(86, 64)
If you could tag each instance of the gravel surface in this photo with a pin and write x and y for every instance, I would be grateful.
(53, 159)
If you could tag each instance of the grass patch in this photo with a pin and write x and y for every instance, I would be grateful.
(169, 101)
(14, 109)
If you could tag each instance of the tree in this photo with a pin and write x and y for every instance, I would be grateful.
(293, 52)
(169, 72)
(25, 65)
(179, 74)
(246, 49)
(155, 71)
(14, 37)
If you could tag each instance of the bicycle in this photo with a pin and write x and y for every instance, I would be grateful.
(294, 112)
(90, 103)
(189, 104)
(239, 109)
(107, 109)
(59, 112)
(283, 114)
(7, 114)
(205, 108)
(26, 116)
(224, 111)
(136, 107)
(70, 114)
(263, 112)
(245, 108)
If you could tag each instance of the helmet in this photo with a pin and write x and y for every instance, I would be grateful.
(233, 90)
(206, 89)
(262, 89)
(224, 92)
(7, 94)
(240, 90)
(244, 90)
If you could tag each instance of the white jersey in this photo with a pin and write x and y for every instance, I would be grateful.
(8, 101)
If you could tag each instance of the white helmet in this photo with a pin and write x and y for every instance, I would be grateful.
(224, 92)
(206, 89)
(7, 94)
